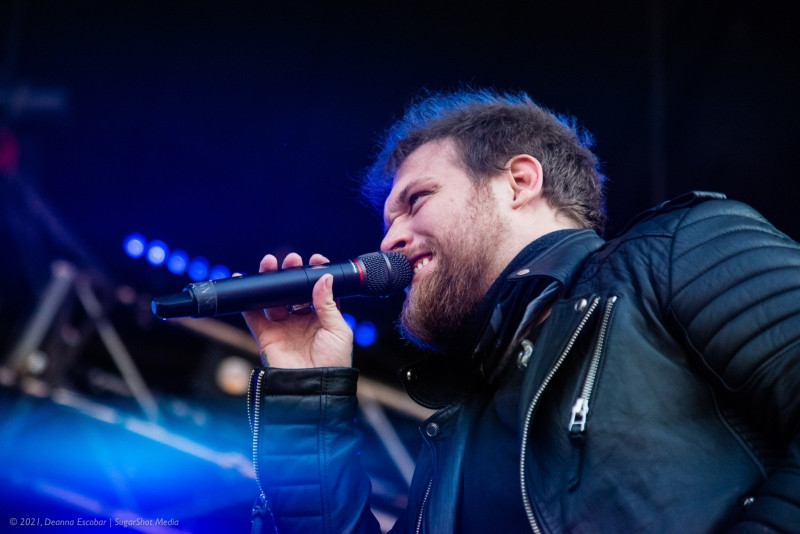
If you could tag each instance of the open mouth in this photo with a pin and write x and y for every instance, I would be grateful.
(421, 263)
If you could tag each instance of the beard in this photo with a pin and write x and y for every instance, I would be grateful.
(438, 305)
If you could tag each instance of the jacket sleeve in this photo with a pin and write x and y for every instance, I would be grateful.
(735, 293)
(306, 451)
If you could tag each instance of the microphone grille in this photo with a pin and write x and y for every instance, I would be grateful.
(385, 273)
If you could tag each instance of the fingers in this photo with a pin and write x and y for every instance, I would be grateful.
(294, 340)
(269, 263)
(318, 259)
(292, 259)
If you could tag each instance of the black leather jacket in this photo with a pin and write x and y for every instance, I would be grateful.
(661, 395)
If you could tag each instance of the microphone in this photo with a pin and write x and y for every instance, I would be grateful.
(377, 274)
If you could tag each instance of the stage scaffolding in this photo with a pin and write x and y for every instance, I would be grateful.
(76, 311)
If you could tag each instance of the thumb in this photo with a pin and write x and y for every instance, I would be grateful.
(325, 306)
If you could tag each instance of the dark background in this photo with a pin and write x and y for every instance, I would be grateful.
(232, 129)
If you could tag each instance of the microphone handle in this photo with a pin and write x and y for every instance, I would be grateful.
(289, 286)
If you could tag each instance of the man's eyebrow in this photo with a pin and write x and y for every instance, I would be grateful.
(399, 202)
(400, 199)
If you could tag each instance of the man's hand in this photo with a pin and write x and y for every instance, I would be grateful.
(321, 338)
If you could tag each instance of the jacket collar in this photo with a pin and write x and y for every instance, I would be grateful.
(440, 379)
(560, 262)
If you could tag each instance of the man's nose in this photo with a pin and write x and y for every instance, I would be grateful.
(397, 236)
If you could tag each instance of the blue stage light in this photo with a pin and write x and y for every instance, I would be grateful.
(219, 271)
(157, 252)
(366, 333)
(178, 262)
(134, 245)
(198, 269)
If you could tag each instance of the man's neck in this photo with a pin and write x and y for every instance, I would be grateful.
(498, 295)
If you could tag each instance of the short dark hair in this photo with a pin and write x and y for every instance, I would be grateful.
(488, 128)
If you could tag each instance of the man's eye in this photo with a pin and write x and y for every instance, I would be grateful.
(414, 198)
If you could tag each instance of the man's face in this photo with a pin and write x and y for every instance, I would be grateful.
(451, 232)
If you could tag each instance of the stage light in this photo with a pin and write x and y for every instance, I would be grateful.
(134, 245)
(219, 271)
(178, 262)
(198, 269)
(157, 252)
(233, 375)
(366, 333)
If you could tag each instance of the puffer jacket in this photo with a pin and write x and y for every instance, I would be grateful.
(662, 394)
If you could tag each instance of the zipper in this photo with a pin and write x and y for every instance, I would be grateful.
(254, 414)
(532, 408)
(422, 505)
(580, 409)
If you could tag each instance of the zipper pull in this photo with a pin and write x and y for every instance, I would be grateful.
(577, 422)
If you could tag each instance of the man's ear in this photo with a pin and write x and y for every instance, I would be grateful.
(526, 179)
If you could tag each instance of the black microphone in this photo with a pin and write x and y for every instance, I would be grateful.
(377, 274)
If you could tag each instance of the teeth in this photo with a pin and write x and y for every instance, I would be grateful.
(420, 264)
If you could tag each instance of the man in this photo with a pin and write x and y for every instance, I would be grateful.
(644, 384)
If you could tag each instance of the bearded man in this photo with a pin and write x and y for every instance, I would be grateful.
(645, 383)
